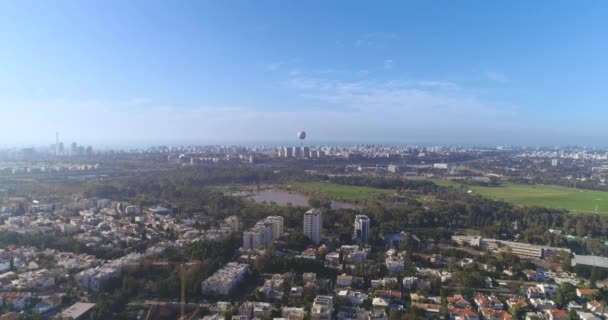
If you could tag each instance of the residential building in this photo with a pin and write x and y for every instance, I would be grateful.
(361, 233)
(313, 225)
(224, 280)
(322, 308)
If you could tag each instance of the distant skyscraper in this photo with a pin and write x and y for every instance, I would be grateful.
(361, 228)
(313, 225)
(56, 143)
(73, 149)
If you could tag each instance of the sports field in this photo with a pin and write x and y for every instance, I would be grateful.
(574, 200)
(339, 192)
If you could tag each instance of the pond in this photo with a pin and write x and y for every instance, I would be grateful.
(282, 198)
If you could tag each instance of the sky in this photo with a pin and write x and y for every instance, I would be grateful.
(433, 72)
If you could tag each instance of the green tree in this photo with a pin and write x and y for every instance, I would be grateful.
(517, 311)
(572, 315)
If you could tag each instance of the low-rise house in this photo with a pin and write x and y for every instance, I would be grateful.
(377, 314)
(17, 299)
(296, 293)
(482, 301)
(535, 316)
(392, 295)
(548, 289)
(534, 292)
(352, 297)
(322, 308)
(557, 314)
(430, 310)
(261, 310)
(495, 314)
(520, 302)
(292, 313)
(584, 293)
(459, 301)
(542, 304)
(587, 316)
(597, 308)
(462, 313)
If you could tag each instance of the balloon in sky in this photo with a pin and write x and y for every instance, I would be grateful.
(302, 135)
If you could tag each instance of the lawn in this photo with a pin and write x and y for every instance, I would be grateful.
(574, 200)
(340, 192)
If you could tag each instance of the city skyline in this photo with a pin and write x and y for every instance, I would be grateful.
(143, 73)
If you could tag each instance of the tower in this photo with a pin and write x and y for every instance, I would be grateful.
(361, 232)
(313, 225)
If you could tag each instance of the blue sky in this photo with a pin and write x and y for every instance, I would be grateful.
(510, 72)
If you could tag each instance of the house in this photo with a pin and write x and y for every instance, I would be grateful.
(534, 292)
(584, 293)
(557, 314)
(392, 295)
(77, 311)
(587, 316)
(377, 314)
(596, 308)
(345, 280)
(353, 297)
(261, 310)
(520, 302)
(296, 293)
(292, 313)
(548, 289)
(459, 301)
(17, 299)
(322, 308)
(494, 314)
(482, 301)
(380, 302)
(309, 277)
(430, 310)
(542, 304)
(463, 314)
(535, 316)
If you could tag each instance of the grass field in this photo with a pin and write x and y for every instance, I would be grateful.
(339, 192)
(574, 200)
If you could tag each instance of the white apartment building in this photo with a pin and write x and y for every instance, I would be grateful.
(361, 232)
(263, 233)
(313, 225)
(225, 279)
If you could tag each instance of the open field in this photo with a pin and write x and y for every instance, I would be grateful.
(574, 200)
(340, 192)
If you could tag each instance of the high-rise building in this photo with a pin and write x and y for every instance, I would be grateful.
(313, 225)
(306, 152)
(361, 228)
(73, 149)
(263, 233)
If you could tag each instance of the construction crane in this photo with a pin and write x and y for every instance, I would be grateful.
(148, 263)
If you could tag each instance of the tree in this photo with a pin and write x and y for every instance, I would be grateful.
(12, 264)
(564, 294)
(517, 311)
(572, 315)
